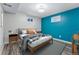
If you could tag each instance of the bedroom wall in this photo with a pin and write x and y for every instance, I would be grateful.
(19, 20)
(64, 29)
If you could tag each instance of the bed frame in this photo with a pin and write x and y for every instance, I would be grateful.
(33, 49)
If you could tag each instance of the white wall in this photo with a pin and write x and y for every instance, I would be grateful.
(19, 20)
(1, 30)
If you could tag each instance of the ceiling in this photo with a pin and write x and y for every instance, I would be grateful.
(30, 8)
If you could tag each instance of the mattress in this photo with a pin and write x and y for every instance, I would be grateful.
(40, 41)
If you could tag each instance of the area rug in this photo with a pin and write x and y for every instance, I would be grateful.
(52, 49)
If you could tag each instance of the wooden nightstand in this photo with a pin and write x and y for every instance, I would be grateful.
(13, 38)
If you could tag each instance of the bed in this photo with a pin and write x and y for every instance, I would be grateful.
(42, 41)
(35, 40)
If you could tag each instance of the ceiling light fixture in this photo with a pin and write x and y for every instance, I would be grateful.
(41, 7)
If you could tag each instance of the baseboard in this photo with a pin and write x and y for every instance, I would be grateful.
(67, 42)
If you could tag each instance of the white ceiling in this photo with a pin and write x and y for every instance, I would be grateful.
(12, 8)
(30, 8)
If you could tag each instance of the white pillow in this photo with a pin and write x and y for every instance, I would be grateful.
(24, 31)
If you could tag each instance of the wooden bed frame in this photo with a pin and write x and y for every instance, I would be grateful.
(33, 49)
(32, 31)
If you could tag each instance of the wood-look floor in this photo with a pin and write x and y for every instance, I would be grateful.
(67, 50)
(13, 49)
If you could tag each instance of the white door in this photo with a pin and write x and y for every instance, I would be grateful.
(1, 29)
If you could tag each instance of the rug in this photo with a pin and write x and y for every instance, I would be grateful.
(52, 49)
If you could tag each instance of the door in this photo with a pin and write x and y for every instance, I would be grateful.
(1, 29)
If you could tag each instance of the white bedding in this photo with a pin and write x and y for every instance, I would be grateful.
(40, 41)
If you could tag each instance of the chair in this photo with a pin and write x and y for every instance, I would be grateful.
(74, 46)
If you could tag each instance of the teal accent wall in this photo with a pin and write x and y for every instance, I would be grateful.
(68, 25)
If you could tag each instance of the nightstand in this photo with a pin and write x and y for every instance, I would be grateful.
(13, 38)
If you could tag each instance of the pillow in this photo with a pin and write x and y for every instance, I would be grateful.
(33, 39)
(31, 31)
(24, 31)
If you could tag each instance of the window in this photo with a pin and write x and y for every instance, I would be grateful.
(56, 19)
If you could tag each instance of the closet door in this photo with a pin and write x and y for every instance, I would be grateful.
(1, 29)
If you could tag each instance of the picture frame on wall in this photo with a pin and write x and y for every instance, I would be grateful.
(30, 19)
(55, 19)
